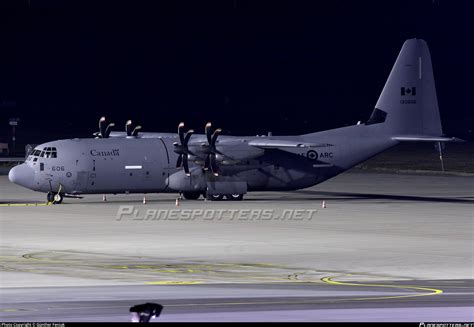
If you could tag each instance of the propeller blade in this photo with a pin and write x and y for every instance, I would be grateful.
(211, 160)
(207, 163)
(214, 168)
(181, 148)
(179, 161)
(187, 137)
(128, 128)
(102, 126)
(185, 164)
(136, 130)
(108, 130)
(214, 137)
(207, 130)
(181, 132)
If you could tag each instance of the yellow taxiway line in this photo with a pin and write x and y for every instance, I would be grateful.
(25, 204)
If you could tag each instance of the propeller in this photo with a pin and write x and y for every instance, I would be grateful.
(182, 149)
(128, 129)
(104, 129)
(212, 152)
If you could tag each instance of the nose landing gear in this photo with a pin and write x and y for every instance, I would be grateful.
(54, 198)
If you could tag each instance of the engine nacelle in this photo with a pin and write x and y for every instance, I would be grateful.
(182, 183)
(236, 151)
(200, 182)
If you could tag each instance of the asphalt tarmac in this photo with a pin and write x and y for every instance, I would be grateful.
(386, 247)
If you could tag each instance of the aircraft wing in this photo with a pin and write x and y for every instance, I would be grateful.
(273, 144)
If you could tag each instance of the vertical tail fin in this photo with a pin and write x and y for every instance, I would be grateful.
(408, 104)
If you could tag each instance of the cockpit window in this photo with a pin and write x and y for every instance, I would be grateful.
(47, 152)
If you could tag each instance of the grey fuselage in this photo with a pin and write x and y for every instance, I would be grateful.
(145, 164)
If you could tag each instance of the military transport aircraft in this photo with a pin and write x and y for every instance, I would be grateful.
(220, 166)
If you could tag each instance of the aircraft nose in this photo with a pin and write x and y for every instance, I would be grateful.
(22, 175)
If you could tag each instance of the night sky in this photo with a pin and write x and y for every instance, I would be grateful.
(250, 67)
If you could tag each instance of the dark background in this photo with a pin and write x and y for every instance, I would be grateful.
(250, 67)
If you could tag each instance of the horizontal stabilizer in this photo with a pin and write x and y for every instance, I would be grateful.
(423, 138)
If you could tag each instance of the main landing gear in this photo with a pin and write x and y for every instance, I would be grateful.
(229, 197)
(213, 197)
(55, 198)
(235, 197)
(191, 195)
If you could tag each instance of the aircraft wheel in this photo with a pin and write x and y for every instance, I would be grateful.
(50, 196)
(234, 197)
(55, 198)
(58, 198)
(215, 197)
(191, 195)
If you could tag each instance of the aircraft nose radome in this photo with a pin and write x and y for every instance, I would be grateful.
(21, 175)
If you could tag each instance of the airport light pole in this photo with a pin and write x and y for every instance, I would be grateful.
(13, 122)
